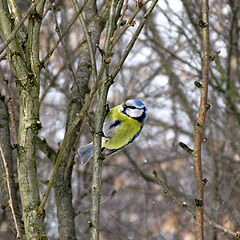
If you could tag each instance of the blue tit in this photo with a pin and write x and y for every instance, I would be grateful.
(121, 127)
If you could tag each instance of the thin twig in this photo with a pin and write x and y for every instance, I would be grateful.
(18, 26)
(129, 23)
(221, 228)
(89, 41)
(170, 193)
(65, 140)
(113, 194)
(110, 28)
(133, 39)
(69, 66)
(199, 127)
(75, 17)
(174, 197)
(10, 107)
(116, 38)
(10, 192)
(87, 103)
(120, 21)
(72, 154)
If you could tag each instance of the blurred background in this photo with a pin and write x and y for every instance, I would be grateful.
(160, 71)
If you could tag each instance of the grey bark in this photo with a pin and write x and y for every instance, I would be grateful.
(27, 75)
(62, 189)
(7, 149)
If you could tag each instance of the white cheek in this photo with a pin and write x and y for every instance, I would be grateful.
(134, 112)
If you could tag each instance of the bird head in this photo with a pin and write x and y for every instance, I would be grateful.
(134, 108)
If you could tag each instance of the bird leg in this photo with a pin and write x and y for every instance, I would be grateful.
(107, 108)
(101, 133)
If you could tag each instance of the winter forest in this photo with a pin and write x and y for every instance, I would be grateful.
(63, 62)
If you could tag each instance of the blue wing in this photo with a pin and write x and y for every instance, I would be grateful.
(135, 135)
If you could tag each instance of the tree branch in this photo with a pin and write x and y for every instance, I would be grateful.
(8, 181)
(75, 17)
(82, 78)
(89, 42)
(129, 23)
(24, 63)
(63, 180)
(69, 66)
(10, 193)
(100, 116)
(133, 39)
(43, 146)
(97, 153)
(113, 194)
(16, 14)
(10, 107)
(175, 198)
(17, 27)
(199, 127)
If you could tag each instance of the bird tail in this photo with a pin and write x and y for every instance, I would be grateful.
(86, 153)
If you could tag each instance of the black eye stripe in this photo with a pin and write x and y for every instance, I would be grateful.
(130, 107)
(133, 107)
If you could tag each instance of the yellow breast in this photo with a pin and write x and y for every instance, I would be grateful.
(124, 132)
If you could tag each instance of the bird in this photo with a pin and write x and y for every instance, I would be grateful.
(122, 125)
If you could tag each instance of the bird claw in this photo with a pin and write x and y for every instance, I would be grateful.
(101, 133)
(107, 108)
